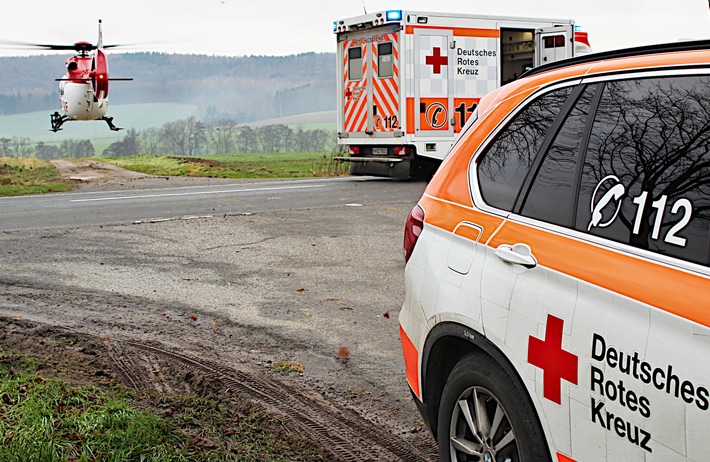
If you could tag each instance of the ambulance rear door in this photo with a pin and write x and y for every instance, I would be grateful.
(371, 100)
(474, 69)
(433, 98)
(554, 43)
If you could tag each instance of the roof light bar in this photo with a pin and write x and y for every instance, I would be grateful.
(394, 15)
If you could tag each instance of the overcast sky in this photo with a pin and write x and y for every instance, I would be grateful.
(282, 27)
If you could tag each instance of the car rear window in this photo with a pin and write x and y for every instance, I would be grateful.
(646, 176)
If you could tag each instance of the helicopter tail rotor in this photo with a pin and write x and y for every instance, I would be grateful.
(99, 74)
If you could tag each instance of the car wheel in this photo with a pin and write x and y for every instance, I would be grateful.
(485, 415)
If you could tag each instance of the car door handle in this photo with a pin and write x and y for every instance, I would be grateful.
(517, 254)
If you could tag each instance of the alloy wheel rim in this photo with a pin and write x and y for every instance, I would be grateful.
(480, 429)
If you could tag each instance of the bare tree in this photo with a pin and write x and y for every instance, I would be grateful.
(184, 137)
(151, 142)
(47, 151)
(128, 146)
(222, 136)
(22, 146)
(76, 149)
(246, 140)
(5, 146)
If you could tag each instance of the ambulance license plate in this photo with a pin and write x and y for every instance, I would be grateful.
(379, 151)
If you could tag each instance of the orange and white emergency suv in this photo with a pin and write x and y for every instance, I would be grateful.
(557, 302)
(409, 80)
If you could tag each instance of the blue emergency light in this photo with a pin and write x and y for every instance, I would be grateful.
(394, 15)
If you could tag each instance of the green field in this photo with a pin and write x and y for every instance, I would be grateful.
(325, 120)
(36, 176)
(35, 125)
(271, 165)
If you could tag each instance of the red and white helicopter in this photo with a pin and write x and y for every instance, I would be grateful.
(83, 90)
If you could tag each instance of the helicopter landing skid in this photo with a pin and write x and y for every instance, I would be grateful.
(57, 121)
(109, 121)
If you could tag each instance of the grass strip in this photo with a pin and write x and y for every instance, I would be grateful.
(271, 165)
(20, 176)
(47, 419)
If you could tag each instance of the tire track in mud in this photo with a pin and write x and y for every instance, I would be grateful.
(344, 434)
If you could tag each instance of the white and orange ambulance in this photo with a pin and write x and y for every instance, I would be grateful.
(409, 80)
(557, 303)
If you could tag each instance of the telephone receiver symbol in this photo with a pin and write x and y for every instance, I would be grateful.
(615, 194)
(435, 116)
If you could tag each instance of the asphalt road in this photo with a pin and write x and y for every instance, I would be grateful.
(243, 272)
(161, 201)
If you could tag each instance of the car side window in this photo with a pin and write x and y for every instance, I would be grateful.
(505, 163)
(551, 197)
(646, 175)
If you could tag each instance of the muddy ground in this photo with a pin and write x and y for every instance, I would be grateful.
(224, 307)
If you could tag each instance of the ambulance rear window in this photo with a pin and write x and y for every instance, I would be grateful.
(355, 63)
(385, 64)
(555, 41)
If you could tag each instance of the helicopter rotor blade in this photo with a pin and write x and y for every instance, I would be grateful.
(30, 46)
(114, 79)
(78, 46)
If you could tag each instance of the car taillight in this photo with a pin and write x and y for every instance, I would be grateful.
(412, 230)
(400, 150)
(354, 150)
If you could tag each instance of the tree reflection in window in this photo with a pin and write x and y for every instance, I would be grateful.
(652, 136)
(504, 166)
(551, 196)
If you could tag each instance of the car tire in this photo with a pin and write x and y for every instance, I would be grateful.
(480, 393)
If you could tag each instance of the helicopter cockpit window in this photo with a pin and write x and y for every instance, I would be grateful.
(62, 84)
(72, 66)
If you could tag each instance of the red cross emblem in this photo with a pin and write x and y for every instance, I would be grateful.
(556, 363)
(436, 60)
(348, 94)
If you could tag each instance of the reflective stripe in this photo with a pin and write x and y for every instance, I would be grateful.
(460, 31)
(355, 107)
(673, 290)
(386, 90)
(411, 361)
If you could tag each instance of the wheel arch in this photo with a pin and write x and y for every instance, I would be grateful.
(446, 345)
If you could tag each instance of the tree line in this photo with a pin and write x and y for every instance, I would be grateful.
(187, 137)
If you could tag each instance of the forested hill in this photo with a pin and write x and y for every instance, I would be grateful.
(243, 89)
